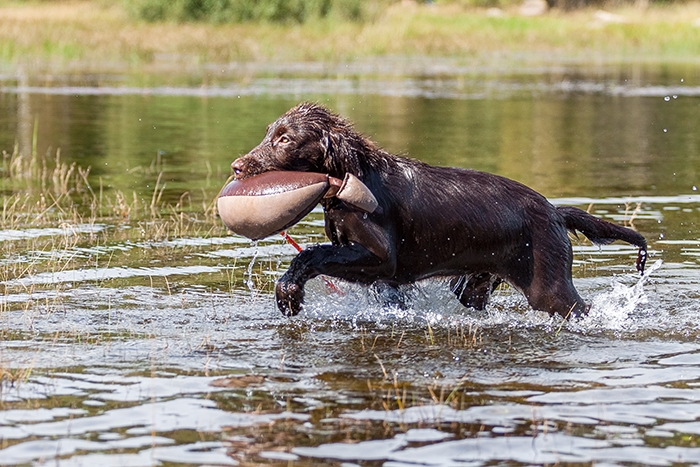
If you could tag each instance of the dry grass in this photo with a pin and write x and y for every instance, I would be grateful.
(46, 192)
(91, 34)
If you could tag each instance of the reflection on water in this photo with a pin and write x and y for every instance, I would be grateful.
(566, 132)
(122, 347)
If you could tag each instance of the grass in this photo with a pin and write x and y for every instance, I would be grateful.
(43, 192)
(46, 191)
(98, 35)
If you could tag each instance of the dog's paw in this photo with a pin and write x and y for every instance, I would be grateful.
(290, 298)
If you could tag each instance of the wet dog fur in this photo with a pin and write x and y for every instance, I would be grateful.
(477, 228)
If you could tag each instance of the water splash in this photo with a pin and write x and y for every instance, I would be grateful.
(425, 303)
(249, 282)
(612, 310)
(615, 309)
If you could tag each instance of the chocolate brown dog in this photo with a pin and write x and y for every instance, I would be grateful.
(477, 228)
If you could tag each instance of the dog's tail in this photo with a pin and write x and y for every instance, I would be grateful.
(601, 232)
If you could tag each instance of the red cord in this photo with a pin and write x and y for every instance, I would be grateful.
(290, 240)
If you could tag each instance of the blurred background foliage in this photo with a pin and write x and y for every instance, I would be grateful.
(301, 11)
(104, 34)
(233, 11)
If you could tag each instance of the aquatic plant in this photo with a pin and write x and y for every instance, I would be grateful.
(53, 221)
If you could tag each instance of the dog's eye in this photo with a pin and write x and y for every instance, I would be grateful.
(283, 140)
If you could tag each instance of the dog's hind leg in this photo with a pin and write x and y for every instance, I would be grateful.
(549, 286)
(474, 290)
(558, 297)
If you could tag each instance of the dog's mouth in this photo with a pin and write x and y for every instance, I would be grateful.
(245, 174)
(244, 167)
(248, 166)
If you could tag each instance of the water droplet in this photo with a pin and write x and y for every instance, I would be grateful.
(695, 188)
(248, 279)
(667, 98)
(682, 80)
(665, 130)
(661, 236)
(675, 96)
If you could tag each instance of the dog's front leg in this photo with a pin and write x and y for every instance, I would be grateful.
(352, 262)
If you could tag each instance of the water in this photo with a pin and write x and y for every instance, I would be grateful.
(145, 340)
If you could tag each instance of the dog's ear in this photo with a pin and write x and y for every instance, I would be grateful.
(341, 155)
(336, 158)
(326, 143)
(335, 149)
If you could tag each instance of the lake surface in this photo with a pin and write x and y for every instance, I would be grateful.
(136, 331)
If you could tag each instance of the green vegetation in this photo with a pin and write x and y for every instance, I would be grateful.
(236, 11)
(97, 35)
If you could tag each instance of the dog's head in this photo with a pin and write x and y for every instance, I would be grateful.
(307, 138)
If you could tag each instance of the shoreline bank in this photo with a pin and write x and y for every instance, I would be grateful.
(85, 36)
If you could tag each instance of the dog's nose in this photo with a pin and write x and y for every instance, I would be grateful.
(237, 166)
